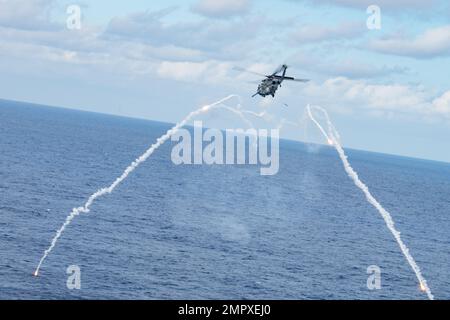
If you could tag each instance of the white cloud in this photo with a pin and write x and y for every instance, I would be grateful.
(221, 8)
(442, 104)
(343, 67)
(203, 72)
(358, 70)
(216, 39)
(349, 95)
(319, 33)
(384, 4)
(134, 45)
(185, 71)
(142, 44)
(26, 14)
(432, 43)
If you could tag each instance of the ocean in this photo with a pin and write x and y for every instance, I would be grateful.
(208, 232)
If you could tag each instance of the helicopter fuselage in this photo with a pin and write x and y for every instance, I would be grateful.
(269, 86)
(271, 83)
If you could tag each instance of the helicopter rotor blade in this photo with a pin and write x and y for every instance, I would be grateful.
(278, 70)
(296, 80)
(301, 80)
(254, 82)
(249, 71)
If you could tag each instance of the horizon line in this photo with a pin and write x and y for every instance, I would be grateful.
(172, 123)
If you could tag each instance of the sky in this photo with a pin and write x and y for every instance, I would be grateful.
(387, 89)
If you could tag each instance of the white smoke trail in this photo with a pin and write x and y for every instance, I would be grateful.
(85, 209)
(333, 138)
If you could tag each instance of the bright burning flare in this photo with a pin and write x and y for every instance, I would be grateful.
(333, 135)
(35, 273)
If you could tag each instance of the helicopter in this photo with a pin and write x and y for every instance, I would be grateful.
(271, 83)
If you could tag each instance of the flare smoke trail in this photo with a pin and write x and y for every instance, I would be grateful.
(161, 140)
(333, 138)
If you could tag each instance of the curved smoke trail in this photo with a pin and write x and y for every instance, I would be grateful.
(333, 138)
(161, 140)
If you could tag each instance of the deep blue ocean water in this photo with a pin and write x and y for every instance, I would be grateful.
(207, 232)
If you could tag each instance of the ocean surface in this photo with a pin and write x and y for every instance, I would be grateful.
(208, 232)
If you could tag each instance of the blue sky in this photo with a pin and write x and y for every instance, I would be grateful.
(387, 90)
